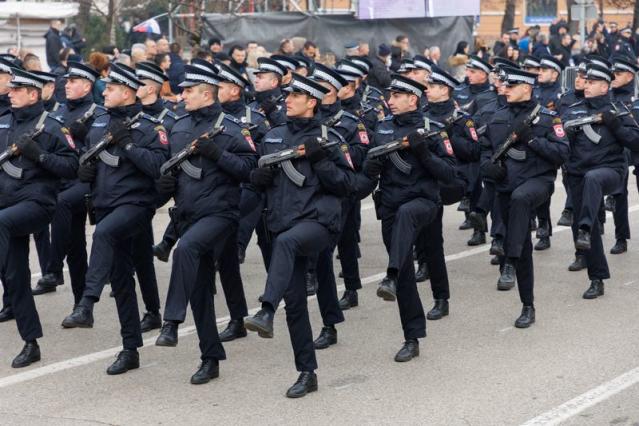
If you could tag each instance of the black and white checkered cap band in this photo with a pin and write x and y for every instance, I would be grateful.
(264, 67)
(20, 80)
(441, 79)
(400, 84)
(582, 67)
(531, 63)
(202, 67)
(550, 64)
(328, 78)
(423, 65)
(142, 74)
(290, 65)
(600, 63)
(296, 84)
(477, 64)
(77, 72)
(349, 68)
(598, 75)
(349, 77)
(620, 66)
(361, 63)
(114, 75)
(225, 75)
(200, 78)
(519, 79)
(5, 68)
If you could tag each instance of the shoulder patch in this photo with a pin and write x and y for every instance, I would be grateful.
(164, 140)
(344, 148)
(447, 144)
(247, 137)
(68, 137)
(548, 111)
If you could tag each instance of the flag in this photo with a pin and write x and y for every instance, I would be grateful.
(148, 26)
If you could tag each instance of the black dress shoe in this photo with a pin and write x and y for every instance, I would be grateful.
(439, 311)
(168, 334)
(47, 284)
(507, 278)
(29, 354)
(409, 351)
(327, 337)
(241, 254)
(495, 261)
(578, 264)
(477, 239)
(311, 283)
(6, 314)
(81, 317)
(478, 221)
(262, 322)
(464, 205)
(39, 290)
(127, 360)
(621, 246)
(422, 273)
(566, 218)
(306, 383)
(497, 247)
(234, 330)
(583, 240)
(162, 250)
(527, 317)
(466, 224)
(595, 290)
(209, 369)
(150, 321)
(543, 244)
(387, 289)
(610, 204)
(348, 300)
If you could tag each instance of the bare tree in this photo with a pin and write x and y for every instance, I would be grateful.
(509, 16)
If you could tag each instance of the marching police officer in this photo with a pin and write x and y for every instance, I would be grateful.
(124, 198)
(207, 196)
(268, 93)
(41, 156)
(68, 234)
(524, 175)
(304, 220)
(596, 167)
(463, 137)
(408, 199)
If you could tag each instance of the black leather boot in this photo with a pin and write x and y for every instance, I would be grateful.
(261, 322)
(349, 300)
(234, 330)
(306, 383)
(527, 317)
(422, 273)
(595, 290)
(409, 350)
(327, 337)
(508, 277)
(439, 311)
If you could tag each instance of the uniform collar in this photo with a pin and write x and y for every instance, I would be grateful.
(353, 103)
(273, 93)
(552, 85)
(598, 101)
(408, 118)
(296, 124)
(28, 112)
(128, 111)
(79, 103)
(626, 89)
(327, 111)
(207, 113)
(155, 108)
(49, 103)
(518, 107)
(477, 88)
(234, 107)
(441, 108)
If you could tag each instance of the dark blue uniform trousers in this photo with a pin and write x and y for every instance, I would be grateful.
(430, 250)
(488, 204)
(232, 285)
(68, 237)
(252, 219)
(192, 279)
(112, 260)
(348, 245)
(620, 215)
(399, 232)
(516, 210)
(43, 247)
(291, 250)
(144, 269)
(587, 195)
(16, 224)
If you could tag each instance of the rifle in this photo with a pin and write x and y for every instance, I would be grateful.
(391, 149)
(12, 150)
(283, 159)
(512, 138)
(585, 123)
(99, 149)
(180, 159)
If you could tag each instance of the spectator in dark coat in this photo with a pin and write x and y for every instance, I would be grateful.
(176, 70)
(379, 75)
(541, 47)
(54, 44)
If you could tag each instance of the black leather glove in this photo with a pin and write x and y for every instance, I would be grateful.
(79, 131)
(166, 184)
(262, 177)
(87, 173)
(525, 135)
(29, 148)
(493, 171)
(373, 168)
(313, 150)
(611, 121)
(419, 145)
(209, 149)
(268, 106)
(121, 134)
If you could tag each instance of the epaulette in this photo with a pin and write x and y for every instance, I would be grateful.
(171, 114)
(336, 133)
(180, 117)
(56, 117)
(579, 102)
(150, 118)
(436, 123)
(545, 110)
(349, 115)
(461, 87)
(258, 112)
(233, 119)
(387, 118)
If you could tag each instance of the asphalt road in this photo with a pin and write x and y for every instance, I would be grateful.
(576, 364)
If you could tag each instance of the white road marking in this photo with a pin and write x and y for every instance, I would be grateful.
(628, 283)
(586, 400)
(185, 331)
(503, 330)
